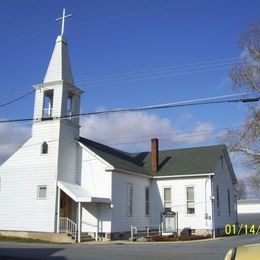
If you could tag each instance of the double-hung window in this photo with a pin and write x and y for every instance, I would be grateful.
(147, 201)
(190, 200)
(42, 192)
(229, 205)
(217, 200)
(167, 199)
(129, 199)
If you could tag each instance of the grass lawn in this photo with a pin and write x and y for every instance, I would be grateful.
(21, 240)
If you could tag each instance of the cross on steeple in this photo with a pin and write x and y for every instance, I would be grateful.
(64, 16)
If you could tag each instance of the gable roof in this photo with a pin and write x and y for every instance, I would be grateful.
(187, 161)
(119, 159)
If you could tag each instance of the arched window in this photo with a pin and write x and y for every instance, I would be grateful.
(44, 148)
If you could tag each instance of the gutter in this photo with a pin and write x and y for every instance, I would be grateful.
(213, 209)
(184, 176)
(130, 172)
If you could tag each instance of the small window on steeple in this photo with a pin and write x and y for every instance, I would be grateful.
(44, 148)
(47, 112)
(69, 105)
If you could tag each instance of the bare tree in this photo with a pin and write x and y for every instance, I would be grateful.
(241, 188)
(245, 74)
(246, 140)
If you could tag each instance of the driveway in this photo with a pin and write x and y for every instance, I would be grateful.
(196, 250)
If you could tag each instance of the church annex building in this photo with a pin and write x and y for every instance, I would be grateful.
(61, 182)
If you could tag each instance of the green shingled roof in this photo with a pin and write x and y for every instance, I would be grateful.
(196, 160)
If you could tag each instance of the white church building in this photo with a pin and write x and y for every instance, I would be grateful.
(61, 182)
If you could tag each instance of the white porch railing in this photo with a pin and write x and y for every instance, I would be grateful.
(67, 226)
(47, 112)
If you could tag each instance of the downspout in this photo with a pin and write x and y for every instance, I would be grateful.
(58, 212)
(206, 208)
(213, 207)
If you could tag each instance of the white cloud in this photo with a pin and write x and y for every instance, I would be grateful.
(127, 131)
(132, 131)
(200, 134)
(12, 136)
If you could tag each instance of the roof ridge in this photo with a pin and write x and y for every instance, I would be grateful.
(184, 148)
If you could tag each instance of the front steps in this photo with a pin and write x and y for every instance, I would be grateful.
(85, 237)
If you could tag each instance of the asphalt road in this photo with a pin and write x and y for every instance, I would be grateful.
(198, 250)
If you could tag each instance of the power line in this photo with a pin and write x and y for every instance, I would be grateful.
(154, 75)
(175, 137)
(164, 69)
(195, 102)
(189, 134)
(171, 133)
(155, 72)
(178, 4)
(181, 3)
(17, 99)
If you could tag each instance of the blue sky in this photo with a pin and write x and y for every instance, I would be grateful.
(125, 54)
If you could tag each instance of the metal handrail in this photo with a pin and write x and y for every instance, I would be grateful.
(148, 229)
(68, 226)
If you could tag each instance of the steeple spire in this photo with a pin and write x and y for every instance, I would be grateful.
(59, 67)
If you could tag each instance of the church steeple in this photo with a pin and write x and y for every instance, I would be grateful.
(59, 66)
(57, 96)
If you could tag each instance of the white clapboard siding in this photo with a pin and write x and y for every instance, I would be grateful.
(179, 201)
(94, 177)
(68, 152)
(97, 181)
(120, 219)
(223, 179)
(20, 175)
(248, 206)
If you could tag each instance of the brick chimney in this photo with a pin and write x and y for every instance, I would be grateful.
(154, 155)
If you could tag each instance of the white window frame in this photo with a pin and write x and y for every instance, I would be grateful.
(168, 201)
(38, 192)
(129, 199)
(147, 201)
(187, 200)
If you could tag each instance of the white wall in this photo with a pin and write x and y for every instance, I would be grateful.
(20, 175)
(223, 179)
(68, 152)
(250, 206)
(120, 219)
(179, 201)
(97, 181)
(94, 177)
(89, 217)
(96, 217)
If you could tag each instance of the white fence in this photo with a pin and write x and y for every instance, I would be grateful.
(145, 231)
